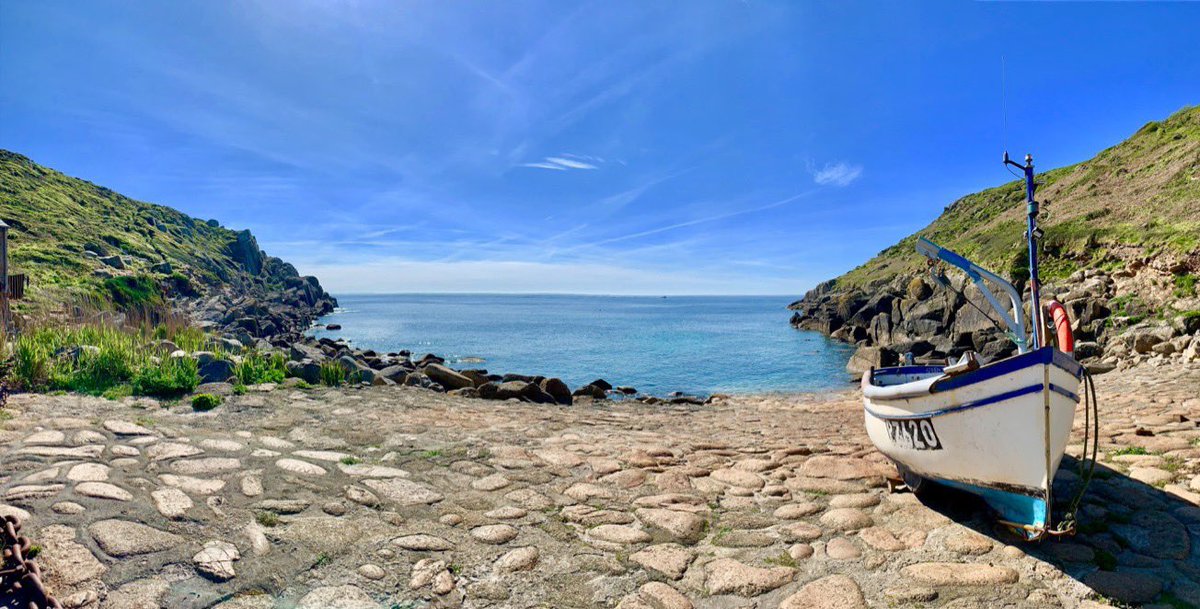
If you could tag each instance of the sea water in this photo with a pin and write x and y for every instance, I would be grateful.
(693, 344)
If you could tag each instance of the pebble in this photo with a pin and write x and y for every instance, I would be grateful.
(737, 477)
(846, 519)
(50, 436)
(508, 512)
(423, 543)
(68, 508)
(251, 486)
(404, 492)
(372, 572)
(103, 490)
(121, 538)
(959, 574)
(840, 548)
(615, 533)
(520, 559)
(663, 596)
(796, 511)
(668, 560)
(125, 428)
(172, 450)
(968, 543)
(195, 486)
(208, 465)
(303, 468)
(495, 534)
(680, 526)
(171, 502)
(493, 482)
(216, 560)
(830, 592)
(728, 576)
(228, 446)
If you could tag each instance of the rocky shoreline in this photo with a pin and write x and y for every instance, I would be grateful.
(378, 497)
(431, 372)
(1118, 318)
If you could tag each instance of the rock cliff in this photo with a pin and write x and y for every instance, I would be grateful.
(1121, 251)
(88, 249)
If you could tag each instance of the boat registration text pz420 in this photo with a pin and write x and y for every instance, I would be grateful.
(915, 434)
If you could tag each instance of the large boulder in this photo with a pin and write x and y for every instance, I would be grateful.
(114, 261)
(1143, 339)
(447, 378)
(520, 390)
(307, 370)
(591, 390)
(300, 352)
(557, 389)
(216, 371)
(396, 373)
(866, 358)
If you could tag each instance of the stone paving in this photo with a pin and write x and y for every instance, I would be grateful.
(397, 497)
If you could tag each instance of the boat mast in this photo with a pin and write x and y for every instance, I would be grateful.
(1032, 234)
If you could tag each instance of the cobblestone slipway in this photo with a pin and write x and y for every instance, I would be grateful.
(399, 497)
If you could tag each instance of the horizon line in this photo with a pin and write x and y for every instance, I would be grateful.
(596, 294)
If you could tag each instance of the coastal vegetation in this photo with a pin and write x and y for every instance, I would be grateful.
(86, 246)
(1121, 250)
(1138, 198)
(106, 360)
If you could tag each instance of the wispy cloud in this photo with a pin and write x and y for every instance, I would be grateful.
(566, 162)
(836, 174)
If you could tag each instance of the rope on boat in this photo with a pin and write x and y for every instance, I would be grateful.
(1087, 466)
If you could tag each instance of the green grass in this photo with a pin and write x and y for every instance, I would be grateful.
(1129, 450)
(97, 360)
(129, 292)
(348, 460)
(332, 374)
(172, 377)
(255, 368)
(783, 560)
(1185, 286)
(267, 519)
(205, 402)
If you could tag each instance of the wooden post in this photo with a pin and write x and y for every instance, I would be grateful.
(7, 314)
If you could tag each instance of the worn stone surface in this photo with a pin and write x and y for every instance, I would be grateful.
(399, 496)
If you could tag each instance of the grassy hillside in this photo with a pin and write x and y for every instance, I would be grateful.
(1140, 198)
(80, 242)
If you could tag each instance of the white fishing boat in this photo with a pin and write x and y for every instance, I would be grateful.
(996, 429)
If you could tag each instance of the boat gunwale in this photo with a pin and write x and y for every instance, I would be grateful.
(986, 401)
(1045, 355)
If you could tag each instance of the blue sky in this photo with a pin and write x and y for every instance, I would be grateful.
(604, 147)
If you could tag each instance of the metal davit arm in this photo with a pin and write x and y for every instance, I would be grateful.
(977, 274)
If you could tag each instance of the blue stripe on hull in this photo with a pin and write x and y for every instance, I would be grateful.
(1045, 355)
(1016, 393)
(1013, 507)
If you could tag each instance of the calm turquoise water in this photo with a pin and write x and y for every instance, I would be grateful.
(695, 344)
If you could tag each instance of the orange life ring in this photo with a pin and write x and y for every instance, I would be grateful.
(1062, 326)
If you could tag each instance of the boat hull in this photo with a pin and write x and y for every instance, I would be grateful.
(999, 431)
